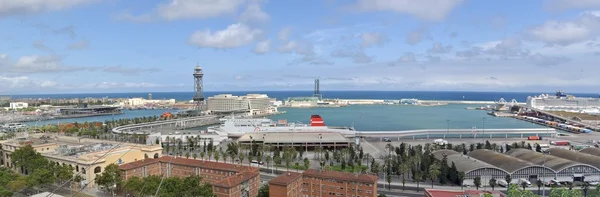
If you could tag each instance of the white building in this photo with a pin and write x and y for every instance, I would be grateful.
(18, 105)
(253, 104)
(142, 101)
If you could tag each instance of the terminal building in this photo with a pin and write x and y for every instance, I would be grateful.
(559, 164)
(80, 153)
(228, 180)
(323, 183)
(251, 104)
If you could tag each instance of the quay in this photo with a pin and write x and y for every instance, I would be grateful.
(459, 133)
(184, 123)
(385, 101)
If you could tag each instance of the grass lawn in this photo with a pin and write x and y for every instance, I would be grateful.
(357, 168)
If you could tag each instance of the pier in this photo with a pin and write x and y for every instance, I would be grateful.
(184, 123)
(459, 133)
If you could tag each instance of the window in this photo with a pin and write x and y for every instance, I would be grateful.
(369, 192)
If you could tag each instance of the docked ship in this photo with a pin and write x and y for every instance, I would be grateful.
(240, 126)
(563, 102)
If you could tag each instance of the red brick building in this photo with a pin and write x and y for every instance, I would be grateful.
(455, 193)
(286, 185)
(316, 183)
(226, 179)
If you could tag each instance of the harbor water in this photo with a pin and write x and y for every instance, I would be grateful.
(365, 117)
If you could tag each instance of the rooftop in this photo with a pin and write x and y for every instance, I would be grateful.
(592, 151)
(137, 164)
(575, 156)
(365, 178)
(552, 162)
(505, 162)
(463, 163)
(286, 178)
(236, 179)
(295, 137)
(206, 164)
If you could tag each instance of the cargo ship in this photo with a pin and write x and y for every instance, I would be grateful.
(237, 127)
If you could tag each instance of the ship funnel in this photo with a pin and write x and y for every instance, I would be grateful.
(316, 121)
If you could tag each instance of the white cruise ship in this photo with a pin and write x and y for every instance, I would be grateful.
(562, 102)
(239, 127)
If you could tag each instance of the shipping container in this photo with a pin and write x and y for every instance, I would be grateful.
(534, 138)
(559, 143)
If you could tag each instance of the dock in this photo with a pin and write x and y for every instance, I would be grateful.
(459, 133)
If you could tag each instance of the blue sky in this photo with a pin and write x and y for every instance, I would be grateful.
(72, 46)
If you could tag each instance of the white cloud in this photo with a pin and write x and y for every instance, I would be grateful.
(262, 47)
(254, 13)
(372, 39)
(189, 9)
(21, 7)
(79, 45)
(233, 36)
(297, 47)
(40, 64)
(127, 16)
(23, 82)
(407, 58)
(357, 56)
(439, 48)
(284, 33)
(128, 70)
(111, 85)
(40, 45)
(585, 27)
(416, 36)
(432, 10)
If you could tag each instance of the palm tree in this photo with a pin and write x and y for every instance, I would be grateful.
(539, 183)
(404, 169)
(187, 155)
(241, 157)
(231, 156)
(434, 171)
(195, 155)
(202, 155)
(216, 156)
(493, 183)
(268, 160)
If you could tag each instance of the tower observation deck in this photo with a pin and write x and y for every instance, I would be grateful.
(198, 89)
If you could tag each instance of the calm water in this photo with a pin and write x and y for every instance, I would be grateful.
(400, 117)
(126, 114)
(281, 95)
(367, 117)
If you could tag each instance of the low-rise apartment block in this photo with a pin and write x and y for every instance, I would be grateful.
(317, 183)
(227, 179)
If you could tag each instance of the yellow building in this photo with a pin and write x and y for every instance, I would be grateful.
(88, 157)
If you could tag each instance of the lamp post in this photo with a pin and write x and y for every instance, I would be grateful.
(544, 177)
(447, 126)
(321, 150)
(483, 128)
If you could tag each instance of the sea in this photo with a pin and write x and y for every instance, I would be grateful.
(362, 117)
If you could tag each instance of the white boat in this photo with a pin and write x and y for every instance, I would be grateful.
(237, 127)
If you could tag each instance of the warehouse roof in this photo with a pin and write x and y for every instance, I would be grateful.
(592, 151)
(507, 163)
(295, 137)
(555, 163)
(463, 163)
(576, 156)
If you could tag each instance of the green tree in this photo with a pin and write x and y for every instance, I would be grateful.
(297, 166)
(306, 163)
(434, 171)
(493, 183)
(508, 179)
(477, 182)
(187, 155)
(263, 191)
(539, 184)
(110, 178)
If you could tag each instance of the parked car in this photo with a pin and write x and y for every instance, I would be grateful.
(552, 183)
(502, 183)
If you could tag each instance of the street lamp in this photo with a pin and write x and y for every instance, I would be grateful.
(483, 121)
(447, 126)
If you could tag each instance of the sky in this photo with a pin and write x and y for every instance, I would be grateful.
(96, 46)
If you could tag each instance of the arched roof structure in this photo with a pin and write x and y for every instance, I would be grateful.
(555, 163)
(463, 163)
(575, 156)
(592, 151)
(507, 163)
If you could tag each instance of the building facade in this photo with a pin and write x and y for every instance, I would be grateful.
(227, 179)
(18, 105)
(316, 183)
(88, 157)
(287, 185)
(253, 104)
